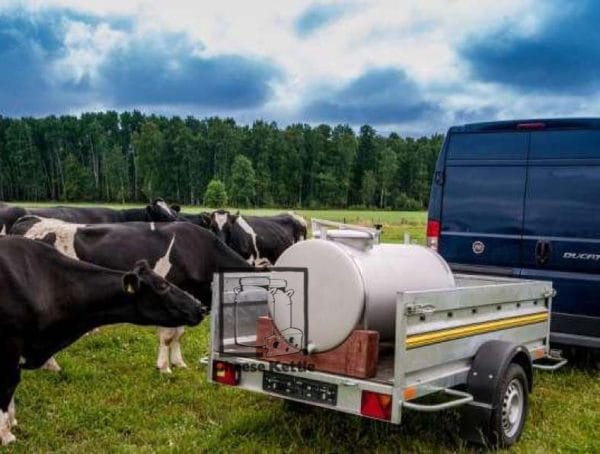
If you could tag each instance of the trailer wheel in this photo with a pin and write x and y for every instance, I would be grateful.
(511, 401)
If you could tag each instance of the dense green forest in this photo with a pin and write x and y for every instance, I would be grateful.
(132, 157)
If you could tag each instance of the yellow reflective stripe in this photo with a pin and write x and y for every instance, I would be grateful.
(445, 335)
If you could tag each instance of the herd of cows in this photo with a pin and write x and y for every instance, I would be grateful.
(65, 271)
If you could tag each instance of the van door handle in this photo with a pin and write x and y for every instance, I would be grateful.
(543, 251)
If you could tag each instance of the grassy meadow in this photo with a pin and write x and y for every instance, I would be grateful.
(110, 398)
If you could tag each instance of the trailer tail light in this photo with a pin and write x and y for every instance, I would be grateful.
(376, 405)
(226, 373)
(433, 234)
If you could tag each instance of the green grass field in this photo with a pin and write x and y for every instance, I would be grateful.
(109, 398)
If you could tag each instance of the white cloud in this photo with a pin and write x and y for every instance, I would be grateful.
(419, 37)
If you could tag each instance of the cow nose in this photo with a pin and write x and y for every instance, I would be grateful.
(204, 310)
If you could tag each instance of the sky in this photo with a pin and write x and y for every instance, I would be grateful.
(412, 66)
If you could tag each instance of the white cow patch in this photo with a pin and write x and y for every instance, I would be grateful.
(250, 231)
(164, 207)
(163, 265)
(152, 226)
(221, 219)
(64, 232)
(3, 231)
(169, 348)
(298, 218)
(12, 413)
(6, 435)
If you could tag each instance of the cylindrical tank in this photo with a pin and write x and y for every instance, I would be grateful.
(357, 287)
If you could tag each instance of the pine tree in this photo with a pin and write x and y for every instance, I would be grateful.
(242, 182)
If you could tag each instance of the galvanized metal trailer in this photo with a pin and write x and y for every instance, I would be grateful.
(474, 345)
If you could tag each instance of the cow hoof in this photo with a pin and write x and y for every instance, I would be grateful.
(180, 365)
(8, 438)
(165, 370)
(52, 366)
(13, 423)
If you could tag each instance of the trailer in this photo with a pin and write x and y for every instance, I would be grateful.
(298, 332)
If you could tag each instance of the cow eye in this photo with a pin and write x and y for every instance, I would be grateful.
(163, 286)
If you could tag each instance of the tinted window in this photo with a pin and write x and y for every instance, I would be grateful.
(484, 199)
(565, 144)
(505, 145)
(563, 201)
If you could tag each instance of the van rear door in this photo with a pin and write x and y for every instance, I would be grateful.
(483, 199)
(562, 228)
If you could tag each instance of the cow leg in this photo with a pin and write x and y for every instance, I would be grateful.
(164, 339)
(51, 365)
(176, 355)
(262, 262)
(10, 375)
(12, 413)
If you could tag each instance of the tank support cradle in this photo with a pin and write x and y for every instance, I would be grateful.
(356, 357)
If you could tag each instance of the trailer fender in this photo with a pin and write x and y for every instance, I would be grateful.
(489, 366)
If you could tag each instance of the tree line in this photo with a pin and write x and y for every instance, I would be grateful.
(132, 157)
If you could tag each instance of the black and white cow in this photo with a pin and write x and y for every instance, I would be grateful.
(260, 240)
(49, 301)
(201, 219)
(157, 211)
(182, 253)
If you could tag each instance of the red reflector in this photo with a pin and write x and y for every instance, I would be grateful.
(538, 125)
(226, 373)
(376, 405)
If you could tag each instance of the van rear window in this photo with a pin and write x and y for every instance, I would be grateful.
(502, 145)
(565, 144)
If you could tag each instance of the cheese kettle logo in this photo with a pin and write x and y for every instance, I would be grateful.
(478, 247)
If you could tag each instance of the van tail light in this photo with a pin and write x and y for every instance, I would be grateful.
(376, 405)
(226, 373)
(433, 234)
(533, 125)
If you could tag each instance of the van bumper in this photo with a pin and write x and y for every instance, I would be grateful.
(576, 330)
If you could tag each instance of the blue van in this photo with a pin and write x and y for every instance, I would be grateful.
(522, 198)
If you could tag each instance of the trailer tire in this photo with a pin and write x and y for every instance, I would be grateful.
(511, 402)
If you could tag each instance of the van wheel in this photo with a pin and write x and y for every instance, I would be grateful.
(511, 401)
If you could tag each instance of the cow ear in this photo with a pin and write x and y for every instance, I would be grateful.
(176, 208)
(205, 217)
(131, 283)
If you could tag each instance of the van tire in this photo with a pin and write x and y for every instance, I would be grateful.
(510, 404)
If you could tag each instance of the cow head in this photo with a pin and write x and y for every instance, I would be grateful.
(221, 223)
(159, 302)
(159, 211)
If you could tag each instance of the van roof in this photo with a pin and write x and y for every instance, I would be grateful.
(529, 124)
